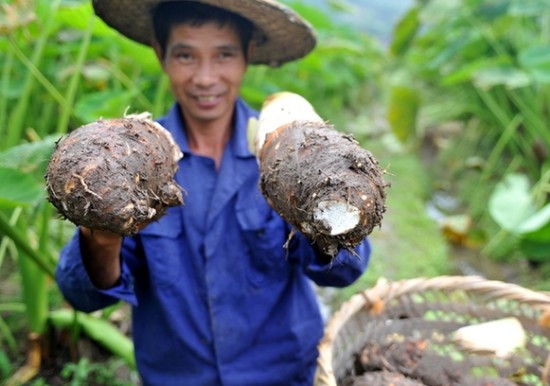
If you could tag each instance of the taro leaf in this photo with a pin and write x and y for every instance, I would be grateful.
(103, 104)
(30, 158)
(528, 8)
(18, 188)
(315, 15)
(402, 111)
(535, 250)
(77, 17)
(510, 203)
(501, 75)
(439, 11)
(405, 32)
(536, 61)
(541, 234)
(535, 222)
(465, 73)
(492, 10)
(512, 207)
(445, 55)
(142, 56)
(487, 72)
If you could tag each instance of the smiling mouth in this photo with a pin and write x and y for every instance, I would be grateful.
(206, 98)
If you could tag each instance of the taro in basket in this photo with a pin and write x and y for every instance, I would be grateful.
(442, 331)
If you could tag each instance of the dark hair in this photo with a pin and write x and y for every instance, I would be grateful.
(168, 14)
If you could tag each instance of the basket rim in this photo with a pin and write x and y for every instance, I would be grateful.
(385, 290)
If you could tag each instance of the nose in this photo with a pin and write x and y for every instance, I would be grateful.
(205, 74)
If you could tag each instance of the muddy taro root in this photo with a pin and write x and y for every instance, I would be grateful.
(115, 174)
(322, 182)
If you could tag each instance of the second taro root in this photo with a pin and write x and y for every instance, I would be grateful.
(414, 360)
(115, 174)
(317, 178)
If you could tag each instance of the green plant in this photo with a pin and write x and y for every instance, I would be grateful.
(79, 373)
(29, 223)
(40, 84)
(484, 64)
(21, 204)
(5, 365)
(99, 329)
(6, 334)
(515, 207)
(87, 373)
(340, 77)
(39, 382)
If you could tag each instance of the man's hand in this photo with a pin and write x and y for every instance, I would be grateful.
(101, 256)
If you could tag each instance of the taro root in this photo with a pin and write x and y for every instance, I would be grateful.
(318, 179)
(383, 378)
(115, 175)
(417, 361)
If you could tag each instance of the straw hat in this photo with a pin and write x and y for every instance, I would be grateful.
(281, 34)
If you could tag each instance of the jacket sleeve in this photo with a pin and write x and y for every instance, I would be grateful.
(344, 269)
(76, 286)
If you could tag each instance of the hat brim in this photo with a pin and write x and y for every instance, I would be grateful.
(281, 34)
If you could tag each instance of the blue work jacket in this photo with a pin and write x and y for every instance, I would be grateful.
(216, 298)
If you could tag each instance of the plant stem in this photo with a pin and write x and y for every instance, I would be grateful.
(5, 333)
(19, 113)
(102, 331)
(34, 71)
(35, 294)
(63, 123)
(6, 69)
(44, 262)
(5, 244)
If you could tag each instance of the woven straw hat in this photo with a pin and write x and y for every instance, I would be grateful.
(281, 35)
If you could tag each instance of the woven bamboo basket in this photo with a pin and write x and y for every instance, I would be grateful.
(431, 310)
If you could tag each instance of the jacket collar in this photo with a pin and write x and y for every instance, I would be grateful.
(173, 121)
(236, 170)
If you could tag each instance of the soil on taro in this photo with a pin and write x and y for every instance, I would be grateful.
(308, 169)
(114, 174)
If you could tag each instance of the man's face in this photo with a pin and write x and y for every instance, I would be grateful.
(205, 65)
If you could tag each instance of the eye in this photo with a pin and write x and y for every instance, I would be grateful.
(227, 54)
(184, 56)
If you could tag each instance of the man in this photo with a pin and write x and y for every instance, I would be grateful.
(217, 299)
